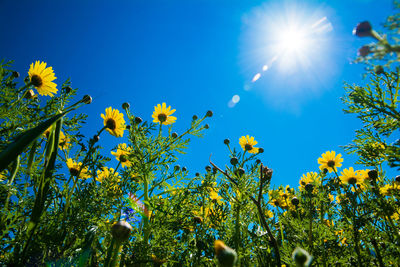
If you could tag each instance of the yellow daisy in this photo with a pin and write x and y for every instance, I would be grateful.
(309, 178)
(42, 78)
(74, 168)
(122, 155)
(215, 197)
(64, 141)
(105, 173)
(349, 176)
(330, 161)
(114, 122)
(247, 143)
(162, 114)
(269, 214)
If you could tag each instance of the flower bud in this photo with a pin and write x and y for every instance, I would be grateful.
(301, 257)
(194, 117)
(226, 256)
(30, 94)
(206, 126)
(214, 170)
(87, 99)
(234, 161)
(309, 187)
(174, 135)
(96, 138)
(379, 70)
(209, 113)
(373, 175)
(261, 150)
(364, 51)
(68, 89)
(197, 219)
(208, 168)
(197, 174)
(363, 29)
(226, 141)
(125, 105)
(184, 169)
(138, 120)
(295, 201)
(15, 74)
(121, 231)
(240, 171)
(177, 167)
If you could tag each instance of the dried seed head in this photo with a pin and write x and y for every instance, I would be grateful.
(226, 141)
(121, 231)
(174, 135)
(138, 120)
(125, 105)
(234, 161)
(209, 113)
(87, 99)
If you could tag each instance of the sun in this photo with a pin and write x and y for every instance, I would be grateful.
(292, 40)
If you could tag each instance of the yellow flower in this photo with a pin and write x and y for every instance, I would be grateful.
(247, 143)
(330, 161)
(122, 155)
(215, 197)
(309, 178)
(105, 173)
(269, 214)
(331, 197)
(349, 176)
(64, 141)
(74, 168)
(162, 114)
(114, 122)
(42, 78)
(388, 190)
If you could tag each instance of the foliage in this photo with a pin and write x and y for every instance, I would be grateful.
(63, 203)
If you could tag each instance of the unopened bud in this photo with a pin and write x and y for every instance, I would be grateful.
(208, 168)
(261, 150)
(68, 89)
(364, 51)
(125, 105)
(309, 187)
(206, 126)
(174, 135)
(295, 201)
(194, 117)
(121, 231)
(184, 169)
(197, 174)
(373, 175)
(226, 141)
(87, 99)
(96, 138)
(226, 256)
(301, 257)
(138, 120)
(177, 167)
(15, 74)
(379, 70)
(363, 29)
(234, 161)
(209, 113)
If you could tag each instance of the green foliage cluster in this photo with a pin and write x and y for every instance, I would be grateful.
(62, 204)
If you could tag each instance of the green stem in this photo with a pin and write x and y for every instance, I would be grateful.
(237, 227)
(310, 237)
(146, 227)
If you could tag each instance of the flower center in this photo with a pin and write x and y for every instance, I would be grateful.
(331, 163)
(36, 80)
(162, 117)
(111, 124)
(352, 180)
(123, 158)
(248, 147)
(74, 171)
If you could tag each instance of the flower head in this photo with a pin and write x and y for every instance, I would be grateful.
(105, 173)
(330, 161)
(309, 178)
(122, 155)
(247, 143)
(114, 122)
(162, 114)
(42, 78)
(363, 29)
(215, 197)
(75, 167)
(349, 176)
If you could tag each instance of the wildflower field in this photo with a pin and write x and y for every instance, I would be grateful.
(63, 203)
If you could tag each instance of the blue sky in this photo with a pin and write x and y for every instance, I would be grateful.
(195, 56)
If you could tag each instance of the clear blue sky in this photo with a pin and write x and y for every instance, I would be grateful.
(196, 55)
